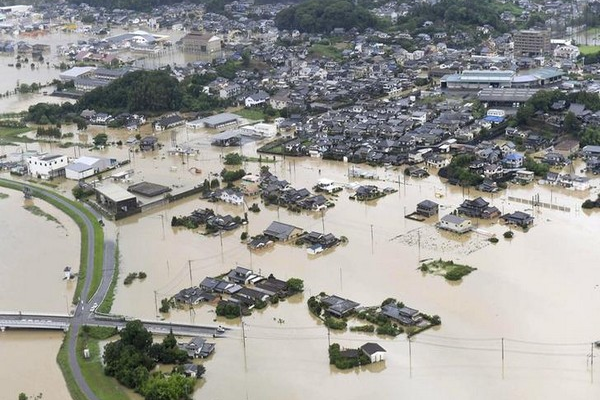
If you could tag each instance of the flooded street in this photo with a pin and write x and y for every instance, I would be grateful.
(524, 320)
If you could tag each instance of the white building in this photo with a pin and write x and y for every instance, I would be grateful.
(87, 166)
(494, 112)
(257, 98)
(374, 351)
(47, 166)
(455, 223)
(264, 129)
(76, 73)
(232, 196)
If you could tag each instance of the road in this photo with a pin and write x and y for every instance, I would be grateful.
(80, 316)
(83, 314)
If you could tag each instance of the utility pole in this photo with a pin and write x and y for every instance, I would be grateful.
(190, 268)
(372, 249)
(243, 330)
(221, 239)
(328, 337)
(156, 303)
(409, 356)
(502, 351)
(323, 220)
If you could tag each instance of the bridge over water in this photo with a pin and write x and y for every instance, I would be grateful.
(19, 320)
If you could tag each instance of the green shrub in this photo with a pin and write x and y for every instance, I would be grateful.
(389, 329)
(363, 328)
(130, 278)
(335, 323)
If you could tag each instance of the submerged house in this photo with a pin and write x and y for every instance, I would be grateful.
(197, 347)
(478, 208)
(427, 208)
(338, 306)
(281, 232)
(404, 315)
(518, 218)
(455, 223)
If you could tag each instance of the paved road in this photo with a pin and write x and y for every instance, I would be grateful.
(80, 316)
(83, 314)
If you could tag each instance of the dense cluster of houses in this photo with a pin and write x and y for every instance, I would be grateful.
(276, 191)
(213, 222)
(240, 286)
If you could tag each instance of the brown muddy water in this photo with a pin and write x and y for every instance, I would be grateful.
(538, 291)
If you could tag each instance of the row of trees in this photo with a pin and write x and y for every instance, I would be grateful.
(151, 92)
(137, 5)
(456, 15)
(543, 100)
(315, 16)
(131, 358)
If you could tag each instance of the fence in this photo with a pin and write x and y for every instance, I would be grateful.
(534, 201)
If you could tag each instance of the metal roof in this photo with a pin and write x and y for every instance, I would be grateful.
(506, 94)
(115, 192)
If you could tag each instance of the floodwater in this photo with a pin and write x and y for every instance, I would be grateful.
(539, 291)
(524, 320)
(29, 365)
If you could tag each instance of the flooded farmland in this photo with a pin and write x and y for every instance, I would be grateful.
(524, 320)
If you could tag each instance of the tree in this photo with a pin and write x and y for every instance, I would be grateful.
(82, 124)
(100, 139)
(136, 335)
(22, 396)
(571, 123)
(174, 387)
(524, 113)
(295, 285)
(232, 159)
(246, 58)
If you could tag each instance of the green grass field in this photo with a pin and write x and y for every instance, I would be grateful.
(585, 50)
(321, 50)
(254, 114)
(12, 135)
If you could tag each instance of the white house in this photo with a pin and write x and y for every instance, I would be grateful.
(374, 351)
(437, 161)
(257, 98)
(87, 166)
(493, 170)
(47, 166)
(230, 91)
(232, 196)
(524, 176)
(419, 117)
(454, 223)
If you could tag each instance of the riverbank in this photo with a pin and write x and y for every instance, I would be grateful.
(98, 234)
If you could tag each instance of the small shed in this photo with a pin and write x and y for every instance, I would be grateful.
(374, 351)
